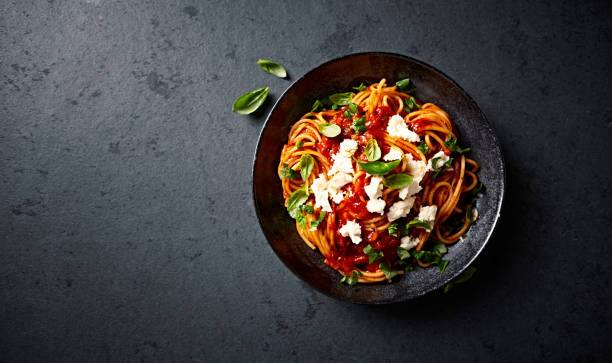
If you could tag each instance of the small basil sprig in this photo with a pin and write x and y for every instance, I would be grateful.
(397, 181)
(272, 68)
(351, 280)
(329, 130)
(314, 224)
(360, 88)
(301, 219)
(350, 111)
(403, 253)
(463, 277)
(424, 147)
(393, 230)
(250, 101)
(378, 167)
(341, 99)
(389, 274)
(359, 125)
(405, 86)
(418, 224)
(287, 173)
(372, 150)
(296, 199)
(469, 210)
(437, 170)
(307, 208)
(316, 105)
(451, 144)
(306, 165)
(372, 253)
(299, 144)
(434, 256)
(410, 104)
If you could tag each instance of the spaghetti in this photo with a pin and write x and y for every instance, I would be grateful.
(377, 183)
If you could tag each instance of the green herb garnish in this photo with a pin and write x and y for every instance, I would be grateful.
(437, 170)
(299, 144)
(397, 181)
(315, 223)
(378, 167)
(424, 147)
(389, 274)
(272, 68)
(463, 277)
(359, 125)
(405, 86)
(250, 101)
(288, 173)
(352, 280)
(360, 88)
(410, 104)
(403, 253)
(341, 99)
(306, 165)
(393, 230)
(372, 150)
(296, 199)
(451, 144)
(418, 224)
(373, 253)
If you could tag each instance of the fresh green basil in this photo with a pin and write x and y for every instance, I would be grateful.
(397, 181)
(410, 104)
(468, 212)
(389, 274)
(272, 68)
(439, 249)
(442, 265)
(288, 173)
(424, 147)
(329, 130)
(296, 199)
(418, 224)
(373, 253)
(341, 99)
(315, 223)
(351, 280)
(372, 150)
(359, 125)
(301, 219)
(405, 85)
(437, 170)
(403, 253)
(306, 165)
(299, 144)
(316, 105)
(378, 167)
(393, 230)
(451, 144)
(360, 88)
(307, 208)
(250, 101)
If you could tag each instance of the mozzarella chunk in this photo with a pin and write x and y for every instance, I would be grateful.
(348, 146)
(417, 169)
(319, 188)
(374, 189)
(342, 159)
(400, 209)
(335, 183)
(376, 206)
(409, 242)
(397, 127)
(393, 154)
(428, 214)
(442, 158)
(351, 229)
(474, 213)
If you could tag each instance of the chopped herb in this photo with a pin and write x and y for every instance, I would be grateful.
(301, 219)
(341, 99)
(392, 229)
(437, 170)
(463, 277)
(410, 104)
(329, 130)
(272, 68)
(378, 167)
(442, 265)
(250, 101)
(352, 280)
(296, 199)
(360, 88)
(288, 173)
(307, 208)
(403, 253)
(451, 144)
(299, 144)
(373, 253)
(478, 189)
(439, 249)
(314, 224)
(372, 150)
(389, 274)
(359, 125)
(316, 105)
(397, 181)
(469, 210)
(405, 86)
(418, 224)
(424, 147)
(306, 165)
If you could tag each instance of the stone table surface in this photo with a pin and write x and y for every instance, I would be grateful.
(128, 231)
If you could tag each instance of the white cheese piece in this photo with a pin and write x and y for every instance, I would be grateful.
(374, 189)
(442, 158)
(474, 213)
(319, 188)
(400, 209)
(417, 169)
(351, 229)
(393, 154)
(335, 183)
(409, 242)
(342, 159)
(348, 146)
(376, 206)
(428, 214)
(397, 127)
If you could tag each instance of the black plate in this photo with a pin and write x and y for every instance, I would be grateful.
(339, 75)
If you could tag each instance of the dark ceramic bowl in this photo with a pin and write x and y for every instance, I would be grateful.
(339, 75)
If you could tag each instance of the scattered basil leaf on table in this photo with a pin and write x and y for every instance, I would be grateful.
(397, 181)
(372, 150)
(378, 167)
(306, 165)
(329, 130)
(250, 101)
(272, 68)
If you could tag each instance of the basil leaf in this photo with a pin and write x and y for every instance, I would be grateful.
(299, 144)
(419, 224)
(316, 105)
(288, 173)
(296, 199)
(315, 223)
(307, 208)
(373, 253)
(353, 108)
(424, 147)
(272, 68)
(329, 130)
(442, 265)
(341, 99)
(451, 144)
(306, 165)
(403, 253)
(378, 167)
(250, 101)
(410, 104)
(397, 181)
(392, 229)
(301, 219)
(389, 274)
(372, 151)
(359, 125)
(463, 277)
(405, 85)
(352, 280)
(437, 170)
(478, 189)
(468, 212)
(439, 249)
(360, 88)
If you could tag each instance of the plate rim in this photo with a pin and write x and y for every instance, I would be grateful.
(486, 123)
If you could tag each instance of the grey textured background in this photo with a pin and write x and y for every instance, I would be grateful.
(128, 231)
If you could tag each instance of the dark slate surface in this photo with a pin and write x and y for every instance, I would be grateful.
(128, 230)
